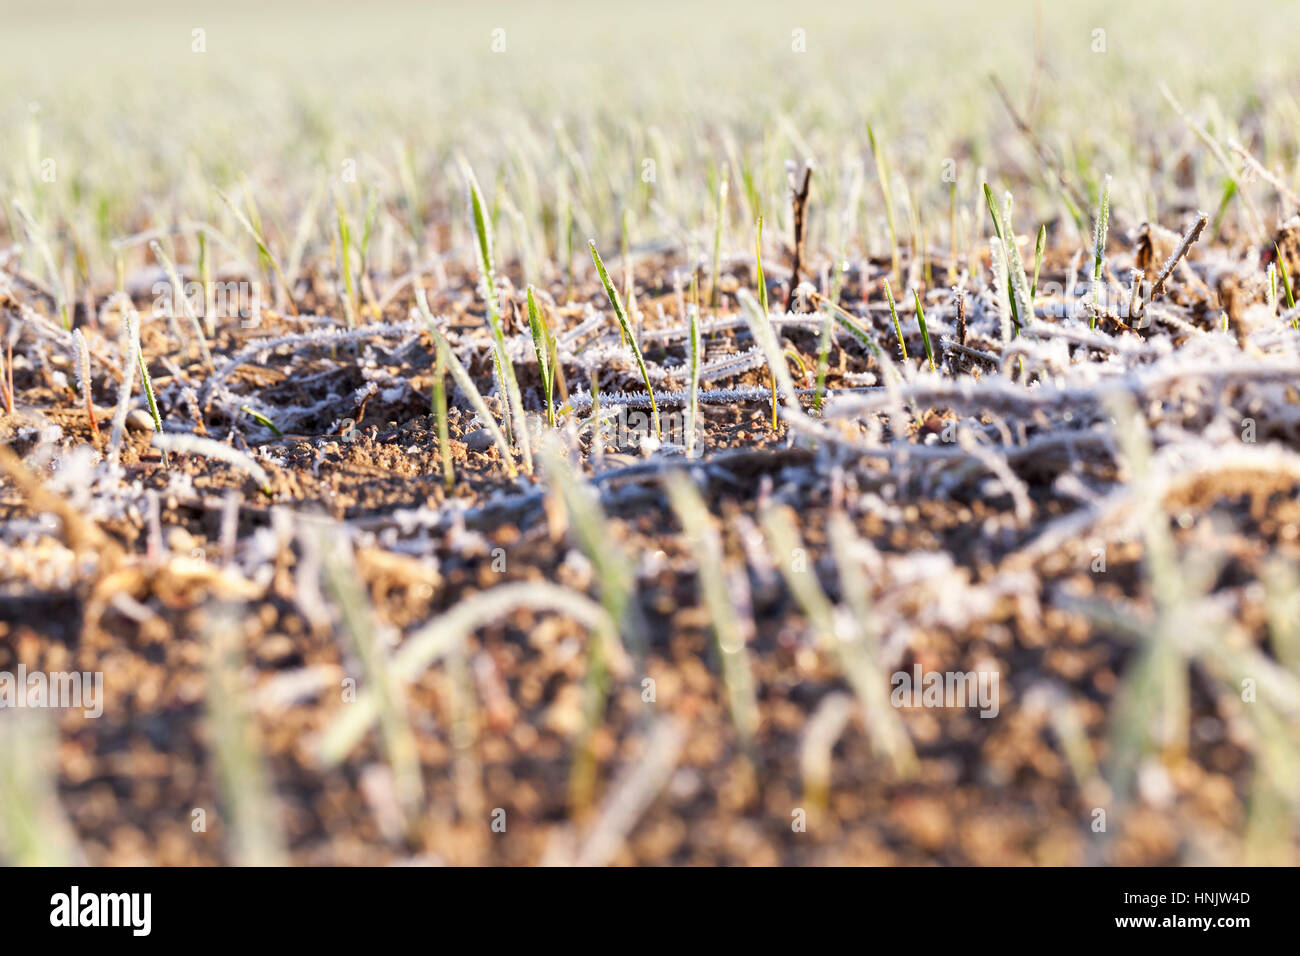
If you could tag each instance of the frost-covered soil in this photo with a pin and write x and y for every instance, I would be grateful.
(1005, 521)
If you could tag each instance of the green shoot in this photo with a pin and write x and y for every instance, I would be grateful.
(893, 314)
(693, 400)
(1099, 249)
(619, 312)
(925, 334)
(81, 365)
(1011, 260)
(39, 240)
(542, 339)
(133, 330)
(367, 233)
(1286, 280)
(824, 355)
(261, 420)
(1038, 260)
(440, 414)
(882, 173)
(717, 234)
(178, 294)
(262, 248)
(505, 369)
(762, 302)
(462, 379)
(205, 279)
(345, 264)
(1019, 280)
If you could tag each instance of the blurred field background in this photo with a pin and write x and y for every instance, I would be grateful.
(139, 125)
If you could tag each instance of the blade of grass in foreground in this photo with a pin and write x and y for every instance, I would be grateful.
(860, 654)
(33, 828)
(1153, 708)
(435, 640)
(334, 550)
(619, 312)
(616, 576)
(728, 631)
(255, 836)
(845, 640)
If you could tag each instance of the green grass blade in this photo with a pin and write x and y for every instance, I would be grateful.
(1286, 280)
(882, 173)
(440, 415)
(133, 328)
(254, 832)
(462, 379)
(178, 292)
(717, 235)
(893, 314)
(1039, 248)
(729, 632)
(1099, 249)
(261, 420)
(262, 248)
(487, 284)
(538, 329)
(619, 312)
(345, 264)
(925, 334)
(693, 406)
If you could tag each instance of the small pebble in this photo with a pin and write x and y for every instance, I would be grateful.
(137, 419)
(479, 440)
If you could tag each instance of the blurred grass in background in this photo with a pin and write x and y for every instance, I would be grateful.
(139, 126)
